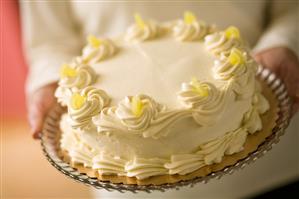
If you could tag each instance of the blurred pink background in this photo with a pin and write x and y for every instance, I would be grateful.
(12, 63)
(24, 169)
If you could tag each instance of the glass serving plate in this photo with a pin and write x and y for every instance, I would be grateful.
(50, 145)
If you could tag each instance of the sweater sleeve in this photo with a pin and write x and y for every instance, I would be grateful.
(50, 38)
(283, 28)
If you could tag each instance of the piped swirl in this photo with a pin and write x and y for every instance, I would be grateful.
(184, 163)
(76, 76)
(221, 43)
(142, 30)
(239, 70)
(86, 104)
(137, 112)
(230, 143)
(109, 165)
(97, 50)
(73, 77)
(205, 100)
(142, 168)
(252, 119)
(190, 29)
(139, 115)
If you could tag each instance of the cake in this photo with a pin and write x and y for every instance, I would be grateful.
(161, 101)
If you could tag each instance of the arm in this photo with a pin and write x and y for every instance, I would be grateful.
(50, 38)
(277, 49)
(282, 29)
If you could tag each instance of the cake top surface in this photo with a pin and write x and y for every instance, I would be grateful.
(156, 74)
(154, 59)
(155, 68)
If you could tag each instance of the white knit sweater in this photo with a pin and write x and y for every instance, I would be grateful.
(55, 31)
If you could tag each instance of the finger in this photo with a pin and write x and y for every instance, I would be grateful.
(258, 59)
(266, 61)
(36, 116)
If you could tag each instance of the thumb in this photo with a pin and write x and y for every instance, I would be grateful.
(36, 116)
(38, 106)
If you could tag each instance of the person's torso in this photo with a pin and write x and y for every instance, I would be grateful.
(113, 18)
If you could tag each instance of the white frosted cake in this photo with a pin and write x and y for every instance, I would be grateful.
(162, 99)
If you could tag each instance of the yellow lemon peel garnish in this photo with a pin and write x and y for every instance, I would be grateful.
(236, 57)
(93, 41)
(189, 17)
(139, 21)
(67, 71)
(77, 101)
(136, 106)
(232, 32)
(201, 89)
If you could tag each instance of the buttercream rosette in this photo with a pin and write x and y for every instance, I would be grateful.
(97, 50)
(190, 29)
(205, 100)
(73, 78)
(221, 43)
(142, 30)
(136, 113)
(86, 104)
(238, 70)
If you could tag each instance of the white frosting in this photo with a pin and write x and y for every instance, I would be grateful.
(156, 71)
(155, 122)
(241, 76)
(206, 109)
(85, 76)
(137, 123)
(219, 44)
(63, 95)
(230, 143)
(260, 102)
(184, 163)
(108, 164)
(191, 98)
(96, 100)
(92, 54)
(142, 168)
(252, 120)
(190, 32)
(138, 34)
(79, 151)
(82, 154)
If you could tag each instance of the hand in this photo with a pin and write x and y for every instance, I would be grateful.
(39, 103)
(285, 64)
